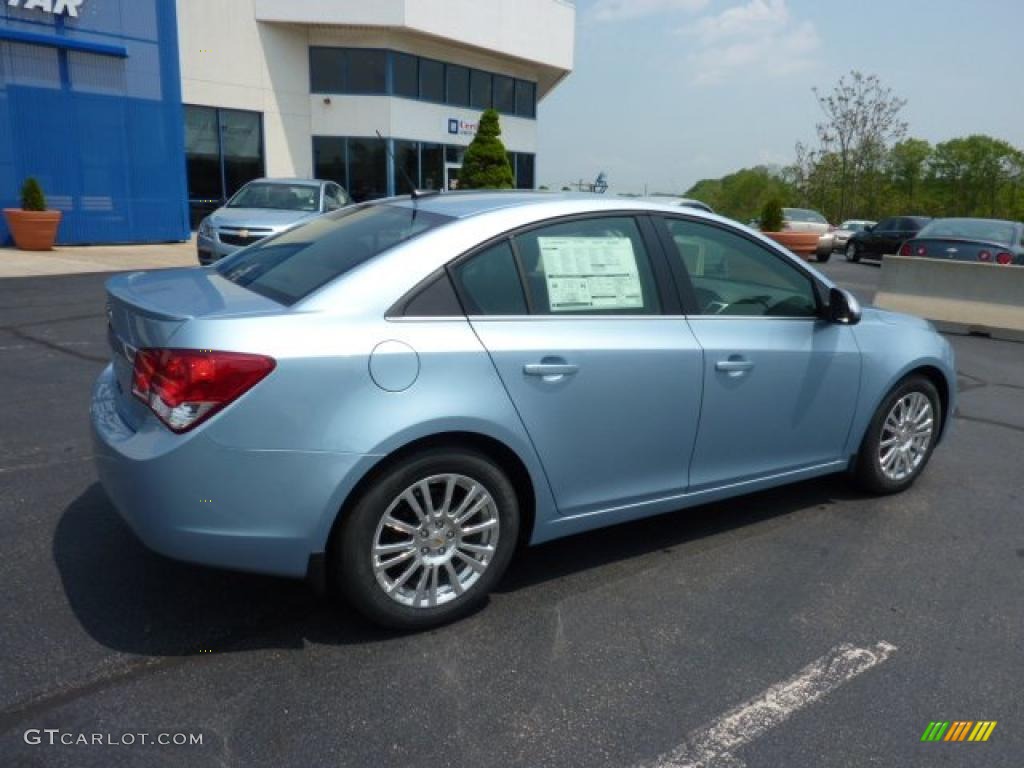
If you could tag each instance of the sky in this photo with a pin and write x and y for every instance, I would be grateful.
(667, 92)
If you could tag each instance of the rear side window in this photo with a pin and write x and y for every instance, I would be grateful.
(292, 265)
(588, 266)
(490, 282)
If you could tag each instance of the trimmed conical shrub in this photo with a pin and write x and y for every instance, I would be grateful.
(485, 164)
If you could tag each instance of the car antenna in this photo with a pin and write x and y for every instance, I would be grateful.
(415, 193)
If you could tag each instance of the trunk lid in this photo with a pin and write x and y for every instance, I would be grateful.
(957, 250)
(146, 309)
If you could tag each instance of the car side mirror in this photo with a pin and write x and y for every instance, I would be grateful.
(869, 228)
(843, 307)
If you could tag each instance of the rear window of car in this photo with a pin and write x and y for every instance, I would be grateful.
(988, 230)
(292, 265)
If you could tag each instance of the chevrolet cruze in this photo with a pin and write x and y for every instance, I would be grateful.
(393, 396)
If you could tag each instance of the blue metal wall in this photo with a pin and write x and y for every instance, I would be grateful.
(91, 106)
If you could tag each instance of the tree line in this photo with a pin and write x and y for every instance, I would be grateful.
(865, 167)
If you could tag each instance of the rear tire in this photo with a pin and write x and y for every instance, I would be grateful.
(852, 253)
(824, 256)
(901, 437)
(412, 553)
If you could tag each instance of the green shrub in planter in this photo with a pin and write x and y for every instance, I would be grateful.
(772, 216)
(32, 197)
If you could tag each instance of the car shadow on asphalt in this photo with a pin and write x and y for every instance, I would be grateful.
(135, 601)
(702, 526)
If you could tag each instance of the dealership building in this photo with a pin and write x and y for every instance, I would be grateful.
(140, 116)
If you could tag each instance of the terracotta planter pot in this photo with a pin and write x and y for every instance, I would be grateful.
(33, 230)
(803, 244)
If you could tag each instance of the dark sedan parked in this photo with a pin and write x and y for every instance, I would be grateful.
(885, 237)
(994, 241)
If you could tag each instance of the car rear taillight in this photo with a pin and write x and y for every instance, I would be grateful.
(905, 249)
(184, 387)
(984, 256)
(922, 251)
(1004, 258)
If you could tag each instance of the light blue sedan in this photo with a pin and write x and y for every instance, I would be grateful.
(390, 398)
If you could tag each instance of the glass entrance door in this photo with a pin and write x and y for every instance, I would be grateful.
(451, 176)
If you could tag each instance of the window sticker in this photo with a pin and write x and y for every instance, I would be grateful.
(590, 273)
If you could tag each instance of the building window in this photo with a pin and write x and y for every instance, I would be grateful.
(327, 70)
(359, 165)
(431, 80)
(407, 158)
(431, 166)
(367, 71)
(457, 79)
(526, 101)
(223, 152)
(524, 170)
(241, 147)
(329, 159)
(505, 94)
(405, 75)
(480, 89)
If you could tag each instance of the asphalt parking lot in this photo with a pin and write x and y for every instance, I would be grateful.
(806, 626)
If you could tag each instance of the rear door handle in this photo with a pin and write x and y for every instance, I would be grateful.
(734, 365)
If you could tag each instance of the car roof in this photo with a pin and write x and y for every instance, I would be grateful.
(461, 205)
(284, 180)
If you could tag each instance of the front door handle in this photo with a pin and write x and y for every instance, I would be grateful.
(734, 366)
(550, 369)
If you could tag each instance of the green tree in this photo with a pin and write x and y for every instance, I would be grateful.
(32, 197)
(485, 164)
(907, 162)
(742, 195)
(861, 118)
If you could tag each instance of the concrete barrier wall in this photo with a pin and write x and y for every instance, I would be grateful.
(958, 295)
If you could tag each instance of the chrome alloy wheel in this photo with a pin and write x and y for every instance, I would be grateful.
(906, 436)
(435, 540)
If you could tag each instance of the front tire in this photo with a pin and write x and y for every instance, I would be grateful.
(824, 256)
(901, 437)
(852, 253)
(428, 541)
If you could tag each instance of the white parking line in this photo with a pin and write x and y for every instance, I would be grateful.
(713, 745)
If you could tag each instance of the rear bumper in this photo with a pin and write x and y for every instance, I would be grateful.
(191, 498)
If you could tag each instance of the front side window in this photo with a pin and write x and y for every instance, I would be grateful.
(594, 266)
(732, 275)
(489, 282)
(292, 265)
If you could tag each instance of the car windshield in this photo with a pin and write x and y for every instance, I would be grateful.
(278, 197)
(292, 265)
(989, 230)
(802, 214)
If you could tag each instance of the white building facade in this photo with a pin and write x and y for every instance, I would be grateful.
(304, 87)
